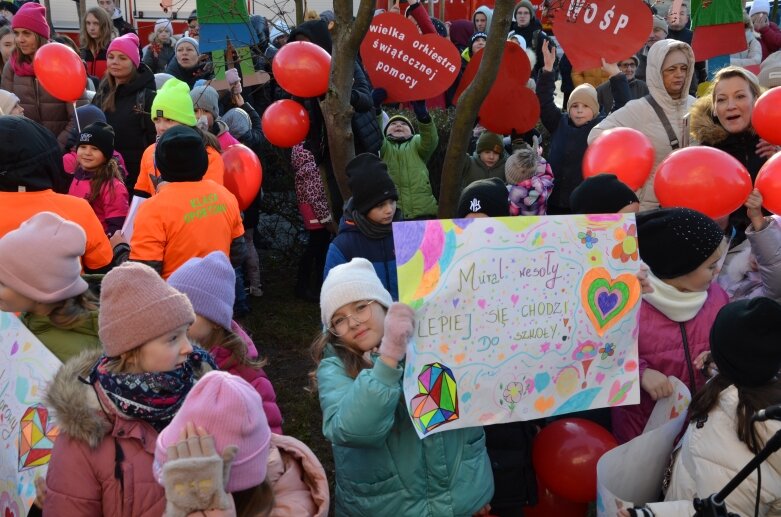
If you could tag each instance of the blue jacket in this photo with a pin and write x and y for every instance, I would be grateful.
(382, 468)
(351, 243)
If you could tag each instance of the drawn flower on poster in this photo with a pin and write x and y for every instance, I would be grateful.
(607, 351)
(512, 393)
(588, 238)
(627, 248)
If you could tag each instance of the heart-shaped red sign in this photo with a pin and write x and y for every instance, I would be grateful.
(591, 30)
(408, 65)
(510, 105)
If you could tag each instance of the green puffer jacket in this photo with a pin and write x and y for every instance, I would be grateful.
(407, 168)
(64, 343)
(382, 467)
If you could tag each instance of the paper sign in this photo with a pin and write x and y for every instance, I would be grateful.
(590, 30)
(619, 487)
(509, 106)
(27, 432)
(518, 318)
(130, 219)
(408, 65)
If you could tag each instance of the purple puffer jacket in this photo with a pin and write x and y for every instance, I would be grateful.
(669, 347)
(257, 378)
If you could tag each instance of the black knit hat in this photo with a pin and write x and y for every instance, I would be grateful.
(100, 135)
(601, 194)
(745, 341)
(30, 157)
(676, 241)
(369, 182)
(180, 155)
(488, 196)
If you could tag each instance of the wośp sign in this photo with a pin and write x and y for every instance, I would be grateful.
(408, 65)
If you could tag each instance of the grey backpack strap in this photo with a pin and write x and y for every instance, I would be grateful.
(674, 143)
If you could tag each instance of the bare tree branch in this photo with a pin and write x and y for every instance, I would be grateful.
(469, 105)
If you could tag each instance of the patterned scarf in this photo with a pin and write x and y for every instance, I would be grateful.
(153, 397)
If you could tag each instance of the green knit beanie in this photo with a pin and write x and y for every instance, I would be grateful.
(173, 102)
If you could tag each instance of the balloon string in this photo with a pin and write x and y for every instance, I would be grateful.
(76, 116)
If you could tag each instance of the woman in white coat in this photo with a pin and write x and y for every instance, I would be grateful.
(668, 75)
(722, 436)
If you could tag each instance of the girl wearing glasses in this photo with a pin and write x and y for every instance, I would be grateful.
(382, 467)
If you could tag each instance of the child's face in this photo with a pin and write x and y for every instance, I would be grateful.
(163, 36)
(382, 213)
(480, 22)
(701, 278)
(90, 157)
(489, 158)
(399, 130)
(164, 353)
(201, 329)
(13, 301)
(580, 114)
(200, 112)
(356, 334)
(163, 124)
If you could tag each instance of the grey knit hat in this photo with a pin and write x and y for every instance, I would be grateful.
(239, 123)
(206, 98)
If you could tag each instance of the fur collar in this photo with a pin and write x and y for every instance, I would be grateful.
(704, 127)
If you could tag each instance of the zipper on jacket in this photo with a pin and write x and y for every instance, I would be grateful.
(686, 351)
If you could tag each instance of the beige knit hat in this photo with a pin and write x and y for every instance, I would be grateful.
(586, 94)
(41, 258)
(137, 306)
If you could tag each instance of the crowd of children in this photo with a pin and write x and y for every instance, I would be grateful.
(124, 254)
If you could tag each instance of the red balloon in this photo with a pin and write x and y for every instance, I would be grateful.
(703, 178)
(60, 71)
(565, 456)
(302, 68)
(549, 504)
(285, 123)
(769, 184)
(622, 151)
(766, 117)
(243, 174)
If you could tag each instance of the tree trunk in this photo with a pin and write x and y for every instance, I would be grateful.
(337, 112)
(300, 9)
(469, 105)
(82, 10)
(47, 5)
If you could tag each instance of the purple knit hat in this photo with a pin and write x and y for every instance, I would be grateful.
(32, 16)
(41, 258)
(128, 45)
(210, 284)
(231, 411)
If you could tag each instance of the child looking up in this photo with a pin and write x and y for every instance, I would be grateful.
(98, 178)
(382, 468)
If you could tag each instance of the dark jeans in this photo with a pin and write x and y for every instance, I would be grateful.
(313, 261)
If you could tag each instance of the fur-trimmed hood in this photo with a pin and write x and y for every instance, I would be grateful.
(703, 125)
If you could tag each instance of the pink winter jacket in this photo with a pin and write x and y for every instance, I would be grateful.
(257, 378)
(671, 348)
(101, 464)
(111, 205)
(70, 161)
(297, 478)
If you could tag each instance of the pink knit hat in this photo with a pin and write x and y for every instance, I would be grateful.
(31, 16)
(128, 45)
(41, 258)
(231, 411)
(137, 306)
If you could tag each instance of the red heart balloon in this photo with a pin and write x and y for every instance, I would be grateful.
(587, 32)
(243, 174)
(408, 65)
(622, 151)
(769, 184)
(766, 117)
(510, 105)
(302, 68)
(60, 71)
(703, 178)
(285, 123)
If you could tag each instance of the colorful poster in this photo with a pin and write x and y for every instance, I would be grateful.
(27, 432)
(518, 318)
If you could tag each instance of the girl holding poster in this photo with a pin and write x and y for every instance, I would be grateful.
(382, 467)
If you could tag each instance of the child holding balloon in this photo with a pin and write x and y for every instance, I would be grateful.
(683, 249)
(382, 467)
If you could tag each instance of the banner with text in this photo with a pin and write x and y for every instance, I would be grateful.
(518, 318)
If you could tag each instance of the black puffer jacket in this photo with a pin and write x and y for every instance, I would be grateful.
(133, 127)
(203, 70)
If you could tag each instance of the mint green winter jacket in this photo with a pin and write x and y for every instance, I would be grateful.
(407, 167)
(382, 467)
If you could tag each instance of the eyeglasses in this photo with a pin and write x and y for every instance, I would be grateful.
(627, 65)
(341, 325)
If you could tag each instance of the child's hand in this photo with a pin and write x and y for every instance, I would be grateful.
(765, 149)
(399, 325)
(656, 384)
(642, 277)
(610, 68)
(548, 56)
(753, 206)
(117, 239)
